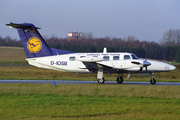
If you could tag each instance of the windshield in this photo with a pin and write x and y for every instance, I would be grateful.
(134, 57)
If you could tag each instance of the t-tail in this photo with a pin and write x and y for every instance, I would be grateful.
(33, 43)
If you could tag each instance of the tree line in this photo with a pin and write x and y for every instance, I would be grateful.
(167, 49)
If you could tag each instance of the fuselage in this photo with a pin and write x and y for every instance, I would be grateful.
(112, 62)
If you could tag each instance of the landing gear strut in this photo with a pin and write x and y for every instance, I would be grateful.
(153, 81)
(120, 78)
(100, 78)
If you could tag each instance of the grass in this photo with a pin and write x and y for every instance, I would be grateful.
(12, 53)
(13, 63)
(42, 101)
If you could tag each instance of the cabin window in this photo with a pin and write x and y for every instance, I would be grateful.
(126, 57)
(82, 56)
(106, 58)
(115, 57)
(71, 58)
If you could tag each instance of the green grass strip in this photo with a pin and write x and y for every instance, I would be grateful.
(41, 101)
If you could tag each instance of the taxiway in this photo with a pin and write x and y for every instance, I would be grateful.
(85, 82)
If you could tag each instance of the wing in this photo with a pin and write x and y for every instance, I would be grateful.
(93, 67)
(92, 63)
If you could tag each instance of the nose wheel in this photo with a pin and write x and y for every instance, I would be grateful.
(153, 81)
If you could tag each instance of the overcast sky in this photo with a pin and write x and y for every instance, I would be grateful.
(147, 20)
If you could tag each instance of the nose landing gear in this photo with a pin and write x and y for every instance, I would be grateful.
(153, 81)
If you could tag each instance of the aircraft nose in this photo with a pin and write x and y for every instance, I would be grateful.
(171, 67)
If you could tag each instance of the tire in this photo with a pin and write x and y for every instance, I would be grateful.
(101, 81)
(120, 80)
(153, 81)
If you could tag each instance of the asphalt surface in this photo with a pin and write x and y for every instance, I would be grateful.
(85, 82)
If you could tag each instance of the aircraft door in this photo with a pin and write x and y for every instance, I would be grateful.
(72, 62)
(126, 60)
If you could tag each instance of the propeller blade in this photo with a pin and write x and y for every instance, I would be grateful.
(141, 68)
(146, 70)
(146, 54)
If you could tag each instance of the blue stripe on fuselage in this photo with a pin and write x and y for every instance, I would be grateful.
(60, 52)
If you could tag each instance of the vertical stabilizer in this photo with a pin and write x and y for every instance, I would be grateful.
(33, 43)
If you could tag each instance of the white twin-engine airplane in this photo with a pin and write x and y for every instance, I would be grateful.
(40, 55)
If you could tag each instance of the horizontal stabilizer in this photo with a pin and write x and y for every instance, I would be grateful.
(23, 25)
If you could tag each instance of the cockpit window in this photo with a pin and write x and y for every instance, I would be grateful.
(126, 57)
(134, 57)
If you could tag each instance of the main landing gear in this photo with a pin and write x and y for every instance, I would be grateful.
(120, 78)
(100, 78)
(101, 81)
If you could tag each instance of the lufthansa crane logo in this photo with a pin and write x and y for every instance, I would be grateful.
(34, 44)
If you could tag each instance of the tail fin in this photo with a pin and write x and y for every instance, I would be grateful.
(33, 43)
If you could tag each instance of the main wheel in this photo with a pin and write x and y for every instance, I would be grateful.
(101, 81)
(153, 81)
(119, 79)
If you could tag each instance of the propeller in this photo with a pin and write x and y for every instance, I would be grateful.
(145, 64)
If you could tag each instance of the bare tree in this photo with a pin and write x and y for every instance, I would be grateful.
(171, 38)
(130, 38)
(87, 35)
